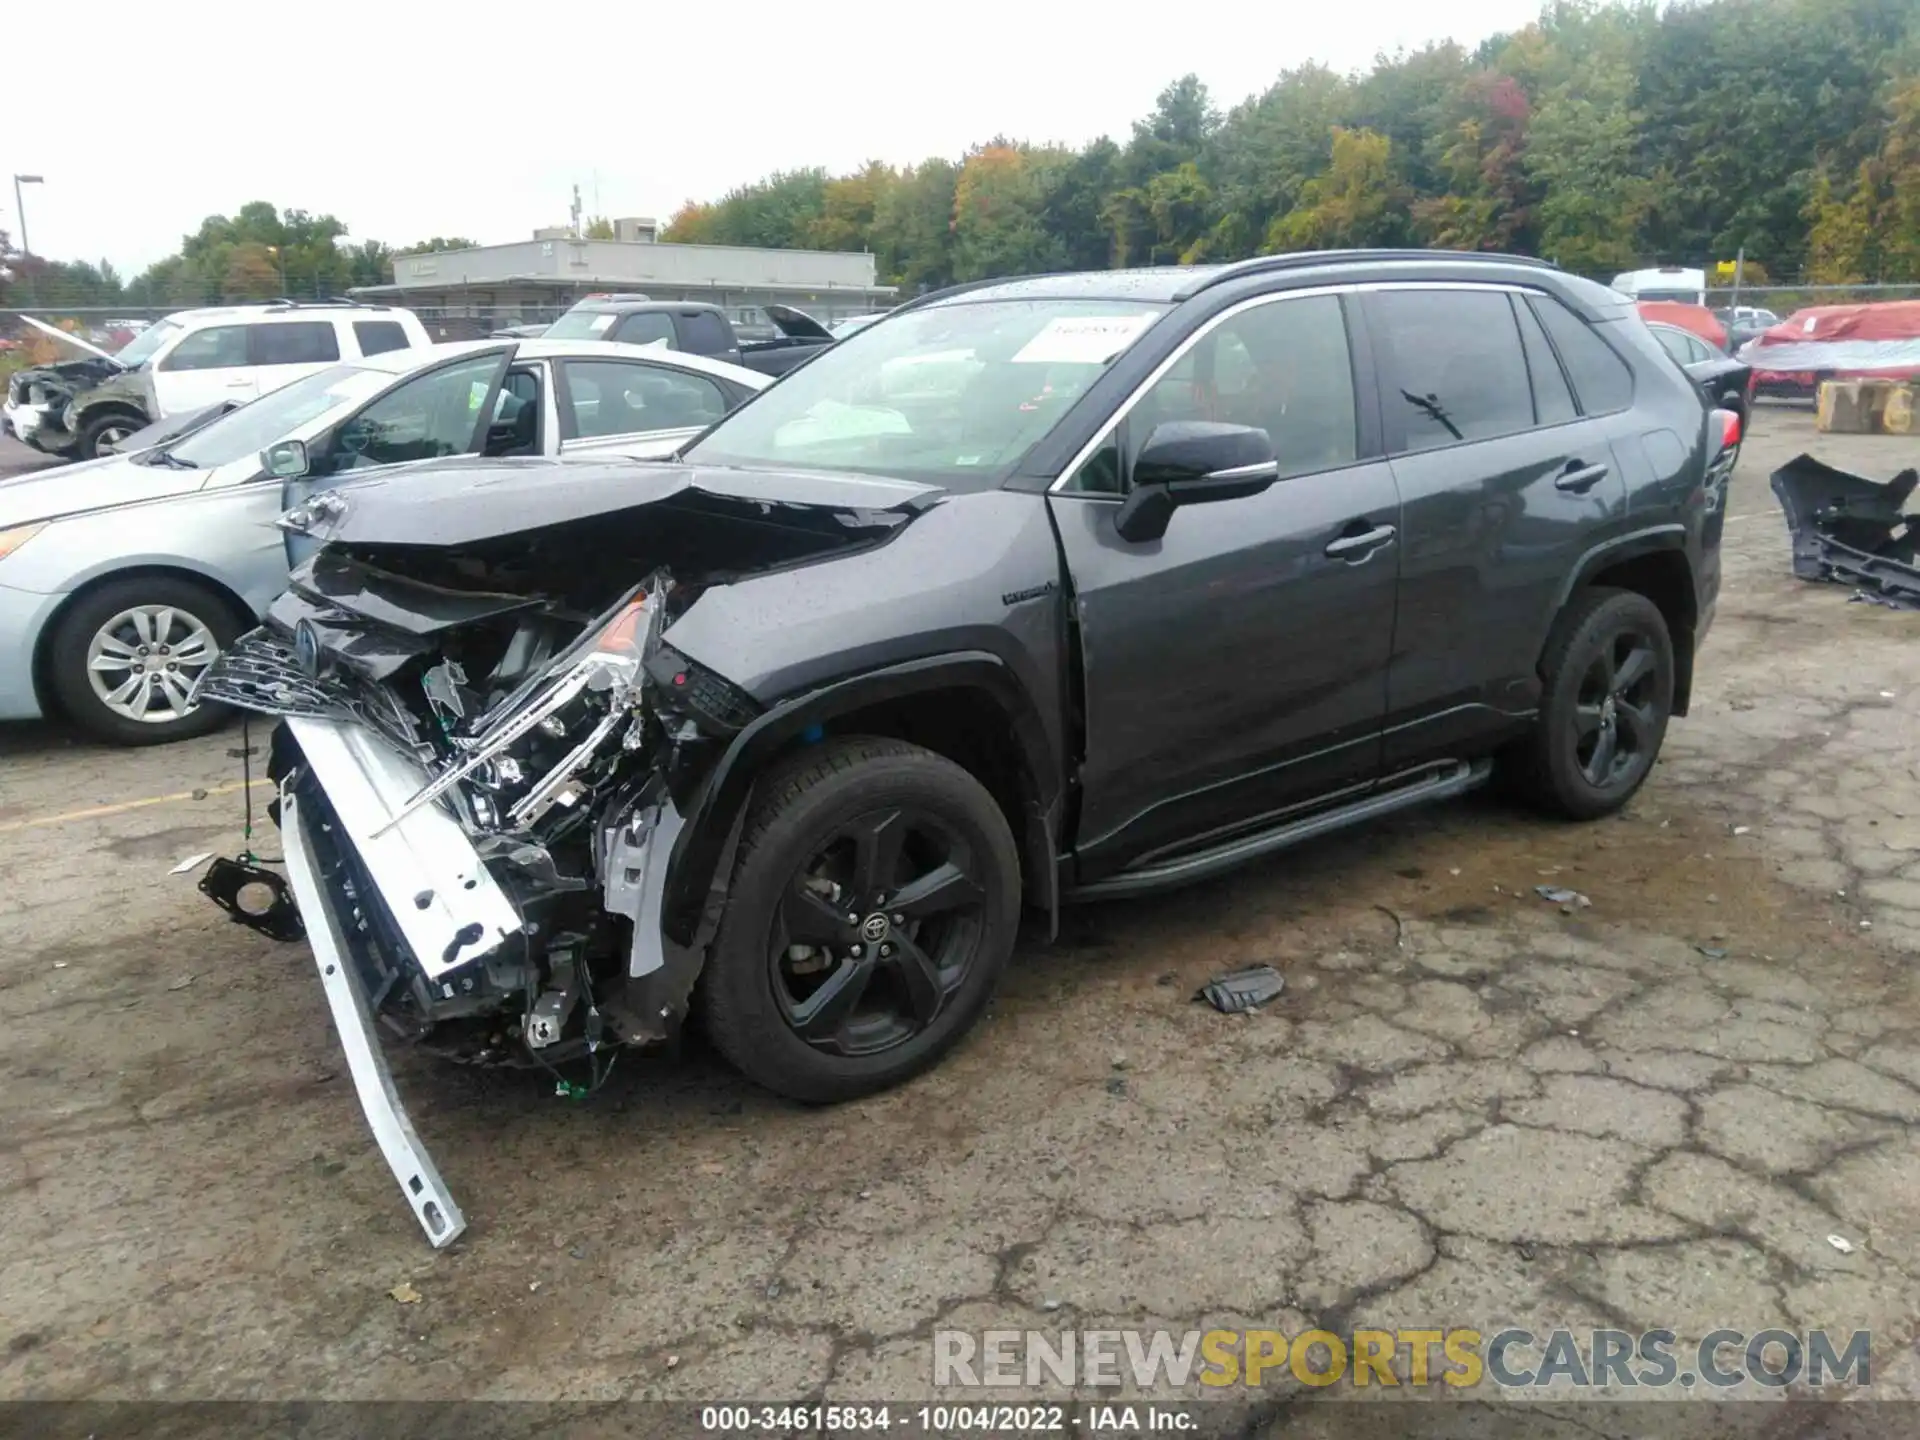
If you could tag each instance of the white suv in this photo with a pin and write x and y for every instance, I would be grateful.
(190, 361)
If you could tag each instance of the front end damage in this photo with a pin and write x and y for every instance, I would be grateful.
(487, 745)
(1850, 530)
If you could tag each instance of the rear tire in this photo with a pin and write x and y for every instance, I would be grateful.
(868, 868)
(1606, 697)
(105, 627)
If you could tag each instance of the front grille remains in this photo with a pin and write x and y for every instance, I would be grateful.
(258, 672)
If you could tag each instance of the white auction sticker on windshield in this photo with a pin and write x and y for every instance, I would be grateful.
(601, 323)
(1082, 339)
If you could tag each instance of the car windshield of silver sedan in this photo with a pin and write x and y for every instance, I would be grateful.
(952, 395)
(276, 415)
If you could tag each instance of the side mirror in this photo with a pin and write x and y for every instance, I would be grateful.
(1193, 462)
(285, 460)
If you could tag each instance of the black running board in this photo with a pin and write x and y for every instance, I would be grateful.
(1442, 784)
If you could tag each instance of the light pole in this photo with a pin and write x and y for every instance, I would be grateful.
(20, 210)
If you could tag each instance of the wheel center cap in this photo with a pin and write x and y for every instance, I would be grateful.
(875, 928)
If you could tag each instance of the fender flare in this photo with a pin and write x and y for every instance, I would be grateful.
(1654, 540)
(1650, 541)
(721, 802)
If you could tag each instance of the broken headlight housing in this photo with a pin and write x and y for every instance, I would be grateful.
(581, 701)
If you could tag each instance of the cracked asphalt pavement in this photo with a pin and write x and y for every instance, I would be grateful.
(1470, 1108)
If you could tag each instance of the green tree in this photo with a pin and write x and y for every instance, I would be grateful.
(997, 229)
(599, 227)
(1360, 200)
(913, 227)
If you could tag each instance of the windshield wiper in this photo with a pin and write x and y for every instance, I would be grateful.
(165, 457)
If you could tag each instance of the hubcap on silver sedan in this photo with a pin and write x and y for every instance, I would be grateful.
(143, 661)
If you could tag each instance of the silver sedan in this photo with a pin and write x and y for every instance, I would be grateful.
(122, 578)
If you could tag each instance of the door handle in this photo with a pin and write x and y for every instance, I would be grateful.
(1578, 478)
(1358, 547)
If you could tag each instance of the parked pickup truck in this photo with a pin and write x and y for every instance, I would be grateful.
(695, 328)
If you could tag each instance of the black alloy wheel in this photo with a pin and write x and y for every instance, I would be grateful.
(876, 931)
(1616, 727)
(1606, 694)
(874, 904)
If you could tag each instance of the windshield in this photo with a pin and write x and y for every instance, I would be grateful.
(582, 325)
(276, 415)
(848, 327)
(138, 350)
(951, 395)
(1681, 297)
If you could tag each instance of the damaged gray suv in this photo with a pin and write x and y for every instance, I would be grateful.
(1033, 591)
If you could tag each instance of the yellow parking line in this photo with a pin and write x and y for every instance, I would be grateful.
(99, 810)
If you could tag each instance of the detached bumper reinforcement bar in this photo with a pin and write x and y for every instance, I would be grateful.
(419, 1180)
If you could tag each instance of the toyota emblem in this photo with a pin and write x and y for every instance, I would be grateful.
(874, 928)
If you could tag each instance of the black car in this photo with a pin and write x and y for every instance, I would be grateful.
(1035, 591)
(1724, 380)
(696, 328)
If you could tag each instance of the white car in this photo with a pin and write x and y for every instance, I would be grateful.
(190, 361)
(122, 579)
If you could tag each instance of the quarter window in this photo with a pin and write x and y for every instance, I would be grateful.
(377, 337)
(295, 342)
(1602, 383)
(218, 347)
(1457, 371)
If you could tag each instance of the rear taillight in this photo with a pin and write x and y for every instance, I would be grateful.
(1729, 429)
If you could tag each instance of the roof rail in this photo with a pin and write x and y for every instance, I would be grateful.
(328, 302)
(1308, 259)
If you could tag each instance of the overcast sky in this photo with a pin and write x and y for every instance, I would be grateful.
(407, 120)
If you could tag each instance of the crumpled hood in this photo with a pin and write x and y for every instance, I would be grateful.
(462, 501)
(90, 485)
(70, 377)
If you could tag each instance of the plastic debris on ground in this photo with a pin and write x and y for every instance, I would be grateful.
(1841, 1243)
(192, 862)
(1559, 895)
(1852, 531)
(1239, 991)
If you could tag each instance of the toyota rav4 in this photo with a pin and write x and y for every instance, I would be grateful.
(1034, 591)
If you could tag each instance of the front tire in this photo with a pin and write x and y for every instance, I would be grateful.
(1607, 694)
(97, 434)
(122, 658)
(874, 905)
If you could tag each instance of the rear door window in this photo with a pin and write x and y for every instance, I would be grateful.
(295, 342)
(1552, 400)
(1456, 371)
(376, 337)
